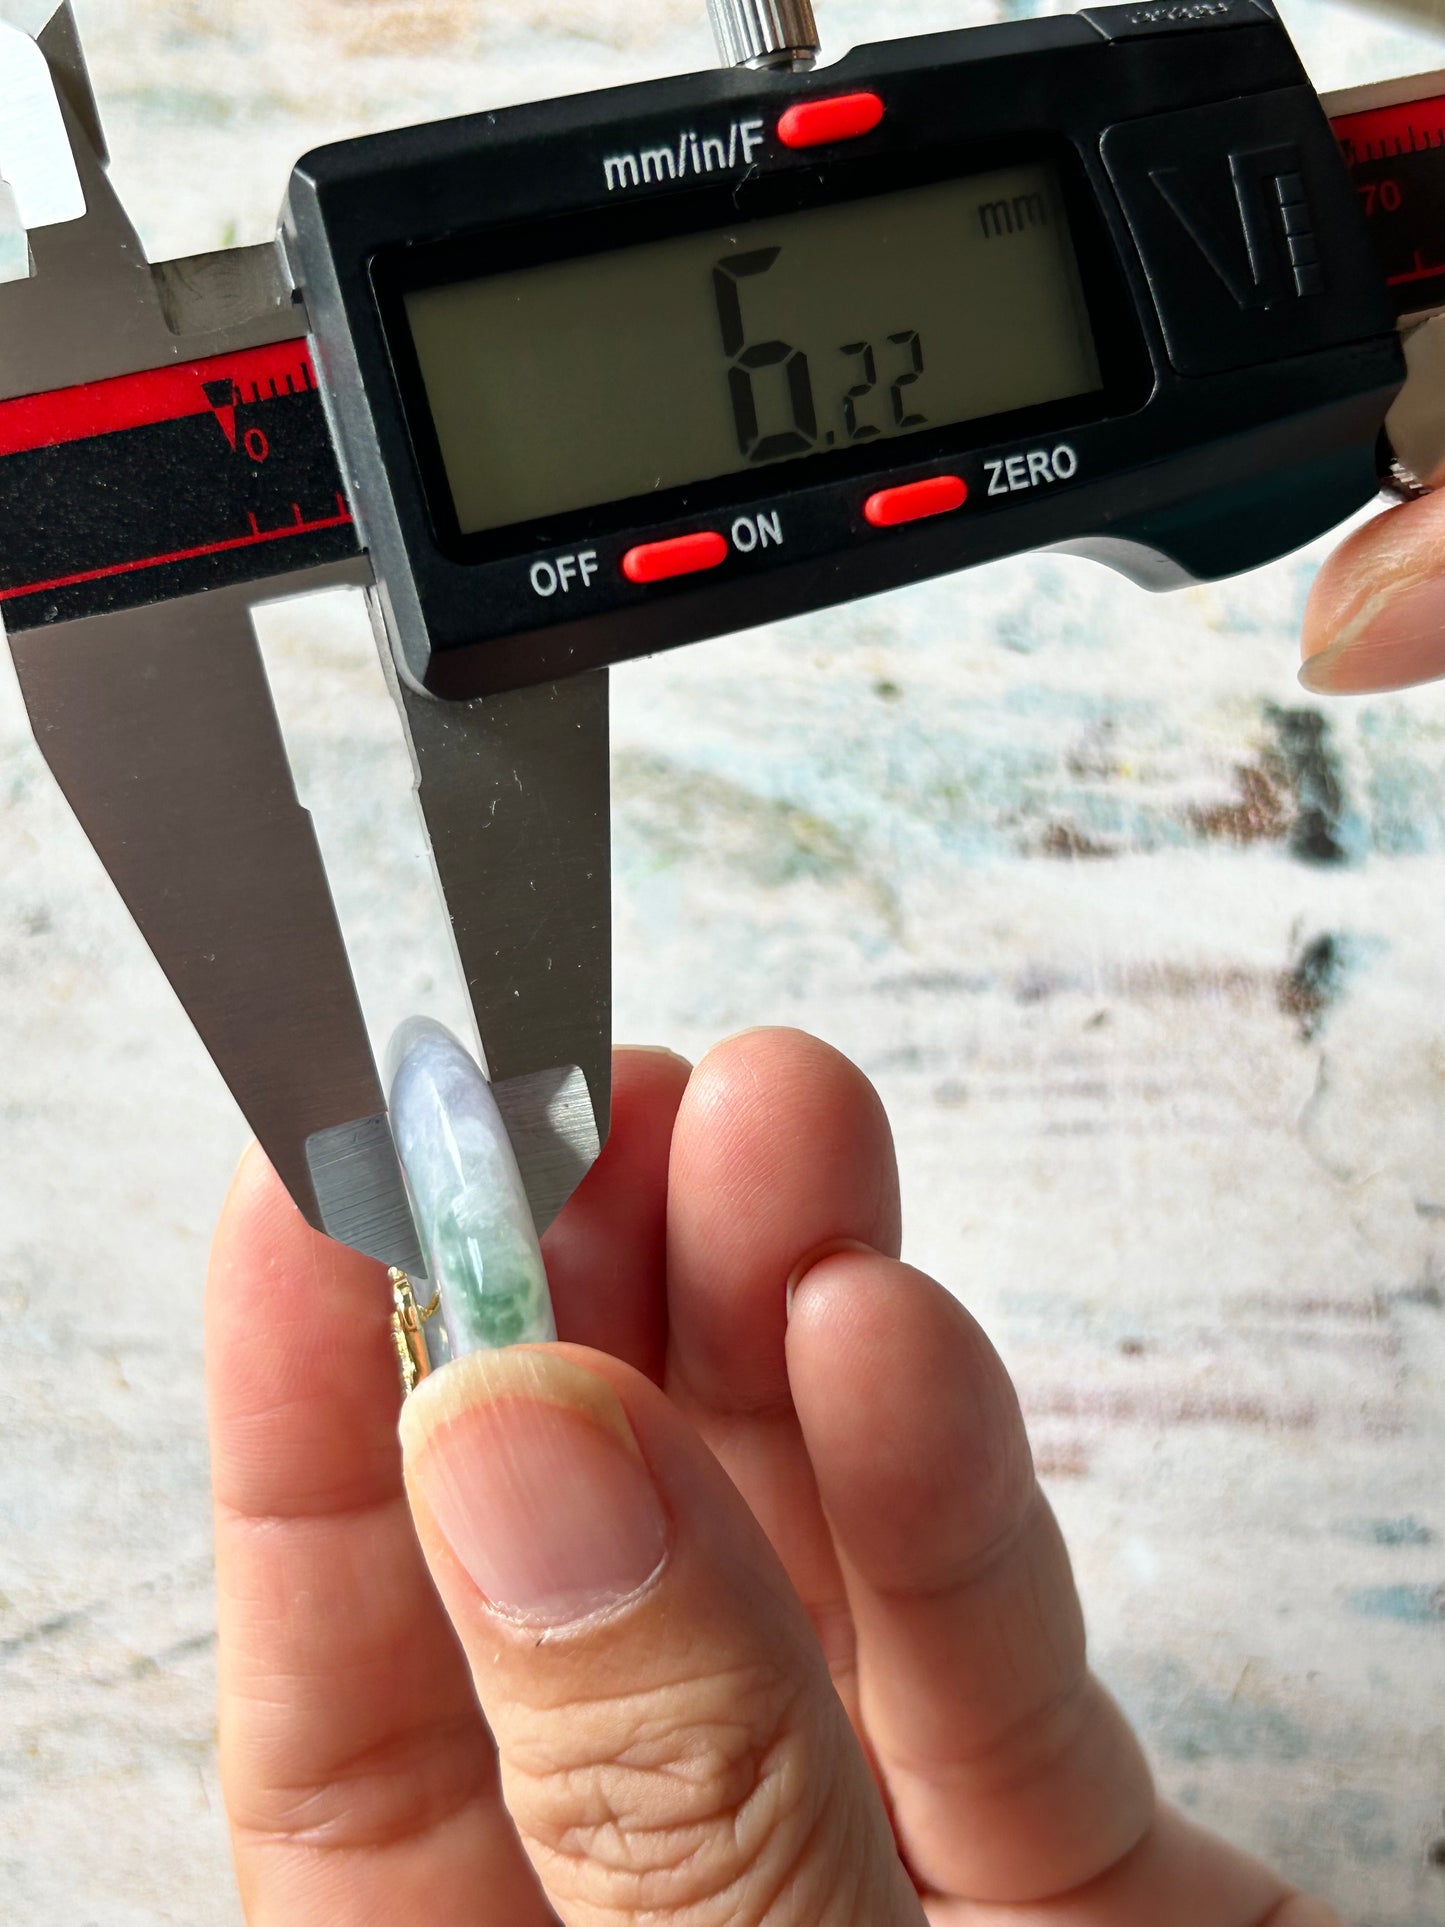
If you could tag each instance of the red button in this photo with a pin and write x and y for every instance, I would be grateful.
(940, 495)
(684, 555)
(814, 123)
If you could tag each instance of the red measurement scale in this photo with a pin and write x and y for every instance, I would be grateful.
(1396, 154)
(165, 483)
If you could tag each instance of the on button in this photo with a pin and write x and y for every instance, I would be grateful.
(683, 555)
(939, 495)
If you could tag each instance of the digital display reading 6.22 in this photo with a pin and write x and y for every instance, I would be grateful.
(617, 375)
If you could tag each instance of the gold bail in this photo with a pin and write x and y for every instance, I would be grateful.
(407, 1319)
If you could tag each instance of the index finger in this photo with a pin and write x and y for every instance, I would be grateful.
(357, 1769)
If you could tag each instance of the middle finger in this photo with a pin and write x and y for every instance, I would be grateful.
(781, 1148)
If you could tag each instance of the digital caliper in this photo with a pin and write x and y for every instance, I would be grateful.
(575, 381)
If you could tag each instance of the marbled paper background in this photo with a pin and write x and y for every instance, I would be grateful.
(1145, 951)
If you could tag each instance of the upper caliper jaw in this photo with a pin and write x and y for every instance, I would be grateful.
(155, 714)
(39, 180)
(87, 304)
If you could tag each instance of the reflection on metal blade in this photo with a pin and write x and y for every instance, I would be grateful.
(159, 726)
(515, 791)
(35, 156)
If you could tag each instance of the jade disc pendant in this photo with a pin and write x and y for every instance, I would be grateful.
(472, 1215)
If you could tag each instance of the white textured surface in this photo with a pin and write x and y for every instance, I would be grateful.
(1170, 1104)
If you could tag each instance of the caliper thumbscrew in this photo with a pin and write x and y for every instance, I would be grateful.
(766, 33)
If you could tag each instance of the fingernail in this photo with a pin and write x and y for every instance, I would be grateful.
(1392, 641)
(815, 1257)
(530, 1469)
(655, 1050)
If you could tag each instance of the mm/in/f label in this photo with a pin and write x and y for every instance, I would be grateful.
(692, 155)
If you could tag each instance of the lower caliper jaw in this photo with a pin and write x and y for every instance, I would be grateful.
(129, 617)
(158, 725)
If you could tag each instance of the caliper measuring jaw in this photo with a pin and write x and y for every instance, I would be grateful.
(162, 429)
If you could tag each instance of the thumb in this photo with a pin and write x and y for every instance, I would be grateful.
(1375, 619)
(672, 1748)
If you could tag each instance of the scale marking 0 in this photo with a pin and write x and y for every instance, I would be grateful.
(131, 491)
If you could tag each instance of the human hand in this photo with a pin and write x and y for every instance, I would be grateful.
(883, 1717)
(1375, 619)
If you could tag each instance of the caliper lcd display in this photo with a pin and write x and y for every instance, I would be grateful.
(625, 374)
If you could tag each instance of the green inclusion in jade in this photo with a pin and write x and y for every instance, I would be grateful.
(471, 1210)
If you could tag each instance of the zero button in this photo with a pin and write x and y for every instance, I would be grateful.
(939, 495)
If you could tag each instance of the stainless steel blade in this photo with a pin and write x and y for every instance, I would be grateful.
(1419, 13)
(515, 792)
(1383, 93)
(159, 726)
